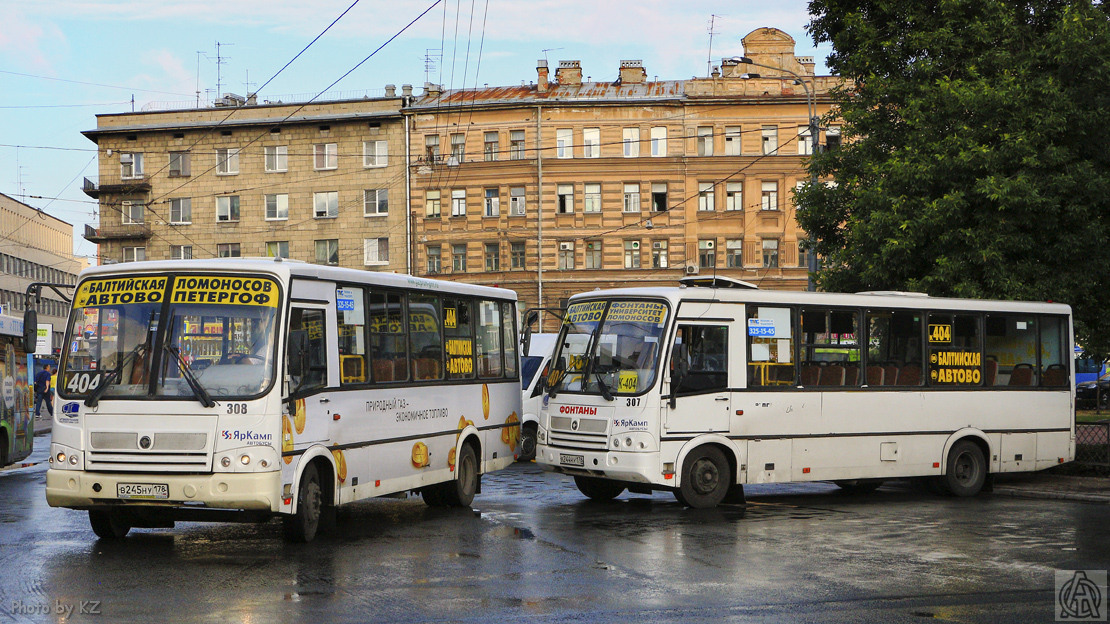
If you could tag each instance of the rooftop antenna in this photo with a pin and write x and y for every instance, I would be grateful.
(247, 84)
(199, 54)
(546, 50)
(432, 57)
(712, 31)
(220, 60)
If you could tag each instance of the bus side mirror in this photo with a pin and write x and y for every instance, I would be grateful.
(298, 359)
(680, 367)
(30, 330)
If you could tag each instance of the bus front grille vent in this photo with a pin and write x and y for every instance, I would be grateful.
(579, 433)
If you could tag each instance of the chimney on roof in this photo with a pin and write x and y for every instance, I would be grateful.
(406, 90)
(432, 90)
(541, 72)
(569, 73)
(633, 72)
(390, 91)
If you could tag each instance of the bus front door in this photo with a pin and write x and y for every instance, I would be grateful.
(700, 400)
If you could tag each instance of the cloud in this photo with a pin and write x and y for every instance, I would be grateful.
(23, 40)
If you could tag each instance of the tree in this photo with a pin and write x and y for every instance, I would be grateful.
(975, 158)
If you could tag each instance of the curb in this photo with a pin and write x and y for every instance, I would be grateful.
(1051, 495)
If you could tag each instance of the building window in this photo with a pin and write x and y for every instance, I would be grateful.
(181, 210)
(132, 212)
(375, 153)
(591, 199)
(631, 142)
(227, 161)
(659, 254)
(227, 250)
(805, 141)
(705, 196)
(227, 208)
(770, 253)
(277, 249)
(491, 145)
(564, 143)
(803, 253)
(325, 156)
(277, 207)
(432, 204)
(707, 254)
(276, 157)
(493, 203)
(134, 254)
(591, 143)
(493, 257)
(631, 254)
(566, 255)
(564, 194)
(516, 256)
(516, 145)
(734, 254)
(516, 201)
(458, 203)
(325, 205)
(431, 147)
(659, 141)
(705, 141)
(435, 254)
(734, 196)
(130, 165)
(179, 165)
(631, 198)
(375, 202)
(732, 140)
(458, 258)
(181, 252)
(327, 251)
(375, 251)
(659, 196)
(593, 254)
(832, 138)
(770, 198)
(458, 147)
(770, 140)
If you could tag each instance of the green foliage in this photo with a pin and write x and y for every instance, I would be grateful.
(976, 152)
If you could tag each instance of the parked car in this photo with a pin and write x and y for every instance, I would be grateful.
(1088, 394)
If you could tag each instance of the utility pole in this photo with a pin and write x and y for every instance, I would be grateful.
(712, 31)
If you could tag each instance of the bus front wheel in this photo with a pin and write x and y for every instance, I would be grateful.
(107, 524)
(301, 527)
(528, 442)
(705, 478)
(967, 469)
(598, 489)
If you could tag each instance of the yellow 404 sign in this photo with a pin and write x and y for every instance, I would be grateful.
(940, 334)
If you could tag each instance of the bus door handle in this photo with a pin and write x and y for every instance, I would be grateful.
(721, 398)
(325, 400)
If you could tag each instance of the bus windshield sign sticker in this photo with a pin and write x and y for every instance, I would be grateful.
(956, 367)
(636, 312)
(940, 334)
(585, 312)
(257, 291)
(629, 380)
(131, 290)
(761, 328)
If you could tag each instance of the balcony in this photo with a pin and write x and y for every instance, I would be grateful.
(117, 186)
(117, 231)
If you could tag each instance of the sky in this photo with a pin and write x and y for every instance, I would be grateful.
(62, 62)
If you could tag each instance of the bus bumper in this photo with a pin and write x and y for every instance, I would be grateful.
(615, 465)
(259, 491)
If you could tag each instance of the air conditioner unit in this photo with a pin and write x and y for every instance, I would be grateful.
(566, 246)
(635, 244)
(692, 269)
(658, 245)
(125, 158)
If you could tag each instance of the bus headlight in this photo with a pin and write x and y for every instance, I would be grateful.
(225, 462)
(633, 442)
(248, 459)
(65, 458)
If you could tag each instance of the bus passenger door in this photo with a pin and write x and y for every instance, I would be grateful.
(307, 376)
(700, 400)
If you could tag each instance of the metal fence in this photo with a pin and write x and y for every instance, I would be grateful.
(1092, 443)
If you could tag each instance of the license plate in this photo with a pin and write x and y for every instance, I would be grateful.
(572, 460)
(153, 491)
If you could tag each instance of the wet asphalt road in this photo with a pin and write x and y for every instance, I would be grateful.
(533, 549)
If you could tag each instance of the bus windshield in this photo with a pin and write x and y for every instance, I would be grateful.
(219, 330)
(608, 347)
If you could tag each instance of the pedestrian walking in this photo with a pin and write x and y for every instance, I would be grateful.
(42, 390)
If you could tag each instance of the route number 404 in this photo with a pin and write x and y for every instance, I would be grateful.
(80, 383)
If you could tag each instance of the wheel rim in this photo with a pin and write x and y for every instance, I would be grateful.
(527, 444)
(706, 477)
(312, 503)
(966, 469)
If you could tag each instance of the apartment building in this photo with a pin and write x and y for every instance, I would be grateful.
(35, 247)
(321, 182)
(567, 185)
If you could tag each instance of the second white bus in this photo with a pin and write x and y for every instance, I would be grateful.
(701, 390)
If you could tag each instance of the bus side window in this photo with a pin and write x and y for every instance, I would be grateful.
(350, 321)
(307, 355)
(706, 353)
(770, 346)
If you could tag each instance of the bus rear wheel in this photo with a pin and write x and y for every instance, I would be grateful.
(301, 527)
(598, 489)
(706, 478)
(108, 524)
(528, 442)
(967, 469)
(458, 492)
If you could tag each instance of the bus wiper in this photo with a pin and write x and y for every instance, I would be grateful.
(198, 390)
(113, 376)
(603, 387)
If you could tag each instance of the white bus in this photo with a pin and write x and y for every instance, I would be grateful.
(700, 390)
(243, 389)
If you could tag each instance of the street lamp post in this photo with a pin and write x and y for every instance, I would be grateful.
(814, 132)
